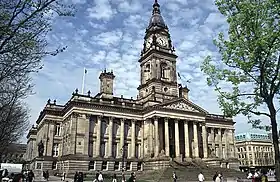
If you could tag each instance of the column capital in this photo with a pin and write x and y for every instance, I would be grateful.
(156, 117)
(88, 116)
(99, 116)
(76, 114)
(166, 119)
(195, 121)
(203, 124)
(148, 120)
(122, 119)
(111, 118)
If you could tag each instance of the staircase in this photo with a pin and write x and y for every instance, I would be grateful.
(188, 171)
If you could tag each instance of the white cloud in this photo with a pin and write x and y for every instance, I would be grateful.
(101, 10)
(125, 6)
(108, 38)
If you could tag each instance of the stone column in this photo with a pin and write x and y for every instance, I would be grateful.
(253, 156)
(121, 137)
(110, 140)
(231, 143)
(73, 134)
(156, 137)
(234, 146)
(166, 136)
(177, 139)
(195, 140)
(213, 140)
(187, 144)
(86, 140)
(220, 143)
(98, 136)
(132, 138)
(204, 142)
(226, 143)
(142, 140)
(150, 137)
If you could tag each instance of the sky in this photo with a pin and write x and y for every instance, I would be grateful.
(109, 34)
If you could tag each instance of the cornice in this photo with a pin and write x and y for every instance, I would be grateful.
(156, 81)
(155, 51)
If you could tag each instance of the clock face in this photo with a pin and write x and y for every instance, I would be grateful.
(162, 41)
(149, 42)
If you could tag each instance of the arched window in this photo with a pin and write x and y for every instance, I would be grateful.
(147, 68)
(163, 70)
(147, 71)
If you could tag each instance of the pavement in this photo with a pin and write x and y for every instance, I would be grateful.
(56, 178)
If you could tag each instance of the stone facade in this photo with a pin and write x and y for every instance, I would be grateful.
(254, 150)
(104, 132)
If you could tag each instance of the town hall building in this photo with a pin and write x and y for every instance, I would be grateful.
(104, 132)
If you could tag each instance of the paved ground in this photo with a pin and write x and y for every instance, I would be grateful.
(56, 179)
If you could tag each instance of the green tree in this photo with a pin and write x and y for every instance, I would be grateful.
(250, 63)
(24, 25)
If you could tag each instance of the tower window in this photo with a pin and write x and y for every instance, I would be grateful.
(165, 89)
(147, 68)
(163, 70)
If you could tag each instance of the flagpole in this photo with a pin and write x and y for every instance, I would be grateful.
(83, 83)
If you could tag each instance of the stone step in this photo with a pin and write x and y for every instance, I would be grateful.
(191, 173)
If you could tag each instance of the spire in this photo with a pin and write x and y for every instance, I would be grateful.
(156, 7)
(156, 19)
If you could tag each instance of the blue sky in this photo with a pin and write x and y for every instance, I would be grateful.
(109, 33)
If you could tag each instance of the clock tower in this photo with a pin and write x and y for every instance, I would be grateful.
(158, 63)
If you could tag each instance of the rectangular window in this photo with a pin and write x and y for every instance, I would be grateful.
(54, 165)
(57, 130)
(39, 166)
(55, 150)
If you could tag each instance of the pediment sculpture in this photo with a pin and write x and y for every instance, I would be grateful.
(181, 106)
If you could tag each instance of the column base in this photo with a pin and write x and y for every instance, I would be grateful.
(98, 165)
(111, 166)
(134, 166)
(188, 159)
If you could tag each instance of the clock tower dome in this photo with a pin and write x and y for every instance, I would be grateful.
(157, 62)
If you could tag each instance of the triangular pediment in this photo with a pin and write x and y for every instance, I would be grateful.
(183, 105)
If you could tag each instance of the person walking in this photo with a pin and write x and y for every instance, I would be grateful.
(114, 178)
(81, 177)
(30, 176)
(132, 178)
(96, 177)
(123, 177)
(174, 176)
(63, 177)
(76, 176)
(218, 178)
(47, 175)
(200, 177)
(100, 177)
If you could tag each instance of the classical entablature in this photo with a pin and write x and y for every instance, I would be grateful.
(128, 107)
